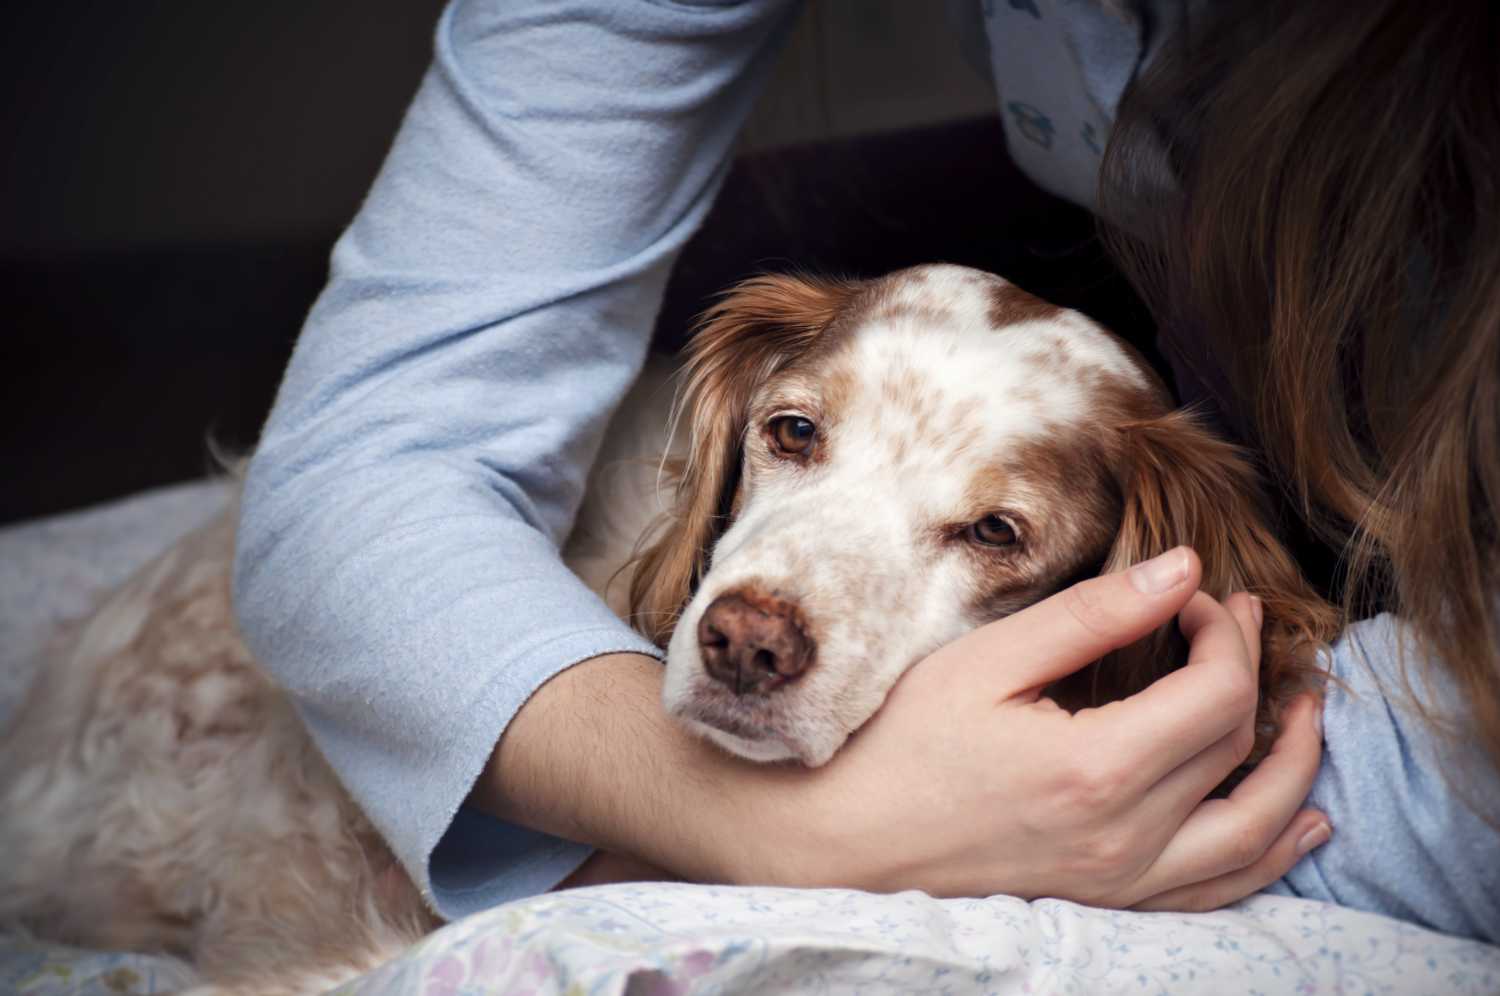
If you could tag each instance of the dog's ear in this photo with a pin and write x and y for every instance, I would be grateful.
(1181, 484)
(756, 329)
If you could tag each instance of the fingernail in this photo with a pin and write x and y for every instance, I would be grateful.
(1316, 837)
(1159, 574)
(1257, 609)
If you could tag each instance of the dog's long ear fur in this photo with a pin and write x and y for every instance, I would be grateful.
(1183, 485)
(752, 332)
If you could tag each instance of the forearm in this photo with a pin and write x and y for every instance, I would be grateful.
(627, 779)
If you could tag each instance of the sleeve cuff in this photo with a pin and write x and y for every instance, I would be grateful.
(476, 861)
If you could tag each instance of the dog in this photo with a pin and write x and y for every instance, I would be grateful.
(869, 469)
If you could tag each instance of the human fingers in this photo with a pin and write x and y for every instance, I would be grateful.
(1225, 836)
(1179, 716)
(1308, 830)
(1179, 791)
(1249, 613)
(1080, 624)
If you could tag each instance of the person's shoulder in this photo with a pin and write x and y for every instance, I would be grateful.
(1383, 656)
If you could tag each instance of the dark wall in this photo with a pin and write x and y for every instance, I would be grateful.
(174, 172)
(172, 176)
(167, 122)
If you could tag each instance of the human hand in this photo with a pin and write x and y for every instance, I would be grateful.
(970, 782)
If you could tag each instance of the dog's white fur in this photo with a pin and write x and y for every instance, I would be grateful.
(160, 793)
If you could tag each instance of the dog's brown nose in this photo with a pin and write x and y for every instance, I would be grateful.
(753, 643)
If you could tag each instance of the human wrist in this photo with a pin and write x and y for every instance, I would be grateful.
(761, 825)
(803, 828)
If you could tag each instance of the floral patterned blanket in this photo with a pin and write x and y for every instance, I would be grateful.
(677, 939)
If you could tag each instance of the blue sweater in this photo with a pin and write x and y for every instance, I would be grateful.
(398, 565)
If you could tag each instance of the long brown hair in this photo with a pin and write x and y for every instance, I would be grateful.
(1307, 195)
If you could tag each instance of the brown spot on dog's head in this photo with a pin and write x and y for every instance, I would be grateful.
(1010, 305)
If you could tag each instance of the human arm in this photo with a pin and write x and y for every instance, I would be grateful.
(966, 783)
(397, 566)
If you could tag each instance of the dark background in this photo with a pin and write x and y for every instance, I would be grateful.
(174, 174)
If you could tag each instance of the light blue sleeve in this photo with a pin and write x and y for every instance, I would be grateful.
(1414, 812)
(397, 568)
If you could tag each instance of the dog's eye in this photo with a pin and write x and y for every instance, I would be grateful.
(992, 530)
(792, 434)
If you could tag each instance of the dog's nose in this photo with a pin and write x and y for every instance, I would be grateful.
(753, 643)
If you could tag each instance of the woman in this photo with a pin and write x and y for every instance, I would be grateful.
(397, 565)
(1324, 260)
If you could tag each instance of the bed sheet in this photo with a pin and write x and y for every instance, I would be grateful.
(658, 939)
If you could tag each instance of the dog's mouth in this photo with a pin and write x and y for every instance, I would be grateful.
(731, 720)
(747, 727)
(753, 719)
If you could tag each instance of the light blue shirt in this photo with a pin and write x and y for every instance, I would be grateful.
(1416, 816)
(398, 568)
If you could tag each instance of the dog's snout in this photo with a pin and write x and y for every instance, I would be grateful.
(753, 643)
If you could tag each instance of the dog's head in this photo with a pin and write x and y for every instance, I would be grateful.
(877, 467)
